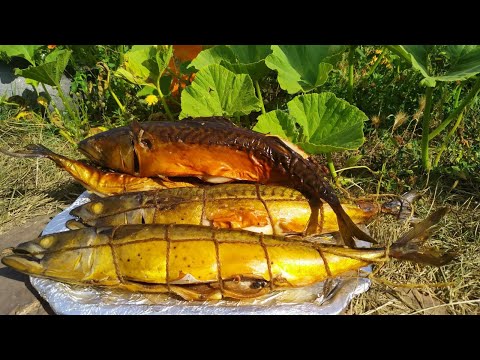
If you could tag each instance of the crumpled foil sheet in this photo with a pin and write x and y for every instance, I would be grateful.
(68, 299)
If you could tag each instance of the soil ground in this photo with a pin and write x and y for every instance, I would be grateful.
(17, 295)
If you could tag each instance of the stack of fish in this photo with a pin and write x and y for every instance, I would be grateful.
(169, 224)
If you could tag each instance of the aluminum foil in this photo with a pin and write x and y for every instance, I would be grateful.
(81, 300)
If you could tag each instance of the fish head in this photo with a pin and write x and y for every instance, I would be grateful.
(113, 149)
(71, 256)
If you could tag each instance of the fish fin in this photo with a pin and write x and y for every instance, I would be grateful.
(199, 292)
(408, 246)
(418, 229)
(135, 126)
(30, 151)
(313, 219)
(291, 145)
(348, 229)
(75, 225)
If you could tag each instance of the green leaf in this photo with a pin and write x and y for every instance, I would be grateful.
(241, 59)
(25, 51)
(419, 57)
(353, 160)
(32, 82)
(49, 73)
(251, 60)
(464, 59)
(217, 91)
(247, 54)
(147, 90)
(165, 82)
(328, 123)
(144, 64)
(51, 57)
(214, 55)
(303, 67)
(279, 123)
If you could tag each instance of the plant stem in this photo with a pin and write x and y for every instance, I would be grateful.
(66, 103)
(162, 99)
(471, 95)
(447, 139)
(375, 65)
(108, 85)
(48, 94)
(120, 105)
(121, 52)
(259, 94)
(165, 106)
(400, 52)
(425, 127)
(351, 58)
(68, 137)
(456, 93)
(331, 167)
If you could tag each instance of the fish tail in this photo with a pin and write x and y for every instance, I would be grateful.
(408, 247)
(30, 151)
(348, 229)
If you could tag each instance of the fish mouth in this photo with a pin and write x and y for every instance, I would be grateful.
(22, 260)
(87, 148)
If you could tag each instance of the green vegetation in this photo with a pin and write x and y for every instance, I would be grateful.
(435, 87)
(383, 119)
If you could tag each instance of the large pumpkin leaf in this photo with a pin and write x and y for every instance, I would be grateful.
(419, 57)
(241, 59)
(247, 54)
(277, 122)
(145, 64)
(49, 73)
(328, 123)
(303, 67)
(250, 60)
(464, 61)
(217, 91)
(25, 51)
(213, 55)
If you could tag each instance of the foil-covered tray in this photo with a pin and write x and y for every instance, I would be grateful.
(82, 300)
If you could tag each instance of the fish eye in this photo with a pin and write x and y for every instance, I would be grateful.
(146, 143)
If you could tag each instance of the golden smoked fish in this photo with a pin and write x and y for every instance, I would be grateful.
(200, 263)
(100, 182)
(269, 209)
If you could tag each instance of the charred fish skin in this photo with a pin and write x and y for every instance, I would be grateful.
(269, 209)
(201, 263)
(215, 147)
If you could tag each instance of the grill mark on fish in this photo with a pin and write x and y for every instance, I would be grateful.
(325, 262)
(267, 258)
(259, 197)
(114, 255)
(204, 207)
(217, 258)
(167, 257)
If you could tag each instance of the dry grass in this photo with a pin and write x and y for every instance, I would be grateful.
(31, 187)
(407, 288)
